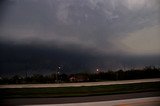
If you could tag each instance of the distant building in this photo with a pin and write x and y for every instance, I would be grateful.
(79, 78)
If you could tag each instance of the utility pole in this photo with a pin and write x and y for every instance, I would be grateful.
(57, 74)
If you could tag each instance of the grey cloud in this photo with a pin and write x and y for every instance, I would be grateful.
(85, 23)
(79, 34)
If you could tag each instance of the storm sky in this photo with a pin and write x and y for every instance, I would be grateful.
(84, 34)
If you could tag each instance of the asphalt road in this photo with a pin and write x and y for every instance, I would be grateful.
(78, 84)
(78, 100)
(149, 101)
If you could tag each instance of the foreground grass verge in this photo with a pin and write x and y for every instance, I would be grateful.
(78, 91)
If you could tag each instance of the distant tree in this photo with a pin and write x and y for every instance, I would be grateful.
(146, 72)
(16, 79)
(37, 78)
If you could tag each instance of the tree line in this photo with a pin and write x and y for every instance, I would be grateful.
(146, 72)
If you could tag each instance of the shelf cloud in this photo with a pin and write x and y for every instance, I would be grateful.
(127, 28)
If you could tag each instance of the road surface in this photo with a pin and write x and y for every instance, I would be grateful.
(90, 100)
(150, 101)
(79, 84)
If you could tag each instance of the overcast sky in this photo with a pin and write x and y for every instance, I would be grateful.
(126, 28)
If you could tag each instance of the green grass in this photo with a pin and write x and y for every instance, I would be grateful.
(79, 91)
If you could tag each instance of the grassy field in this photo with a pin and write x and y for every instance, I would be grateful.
(78, 91)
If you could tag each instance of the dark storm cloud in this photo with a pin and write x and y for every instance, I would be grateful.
(21, 59)
(90, 24)
(82, 33)
(2, 8)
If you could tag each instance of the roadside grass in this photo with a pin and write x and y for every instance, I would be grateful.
(78, 91)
